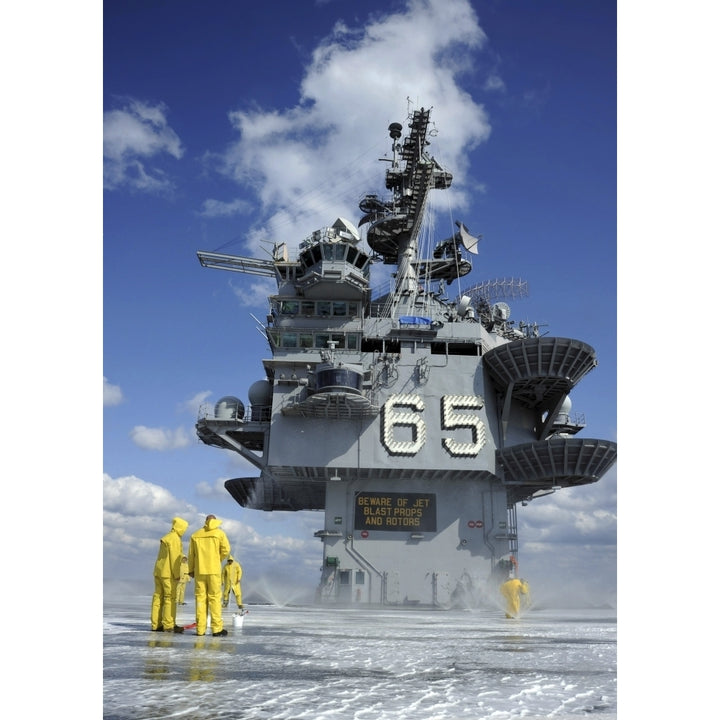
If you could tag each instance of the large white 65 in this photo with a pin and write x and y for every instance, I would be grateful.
(404, 411)
(392, 415)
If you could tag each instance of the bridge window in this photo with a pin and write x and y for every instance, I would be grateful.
(334, 251)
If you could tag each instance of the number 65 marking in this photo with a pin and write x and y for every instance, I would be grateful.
(405, 411)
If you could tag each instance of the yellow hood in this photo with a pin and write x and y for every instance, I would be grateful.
(179, 525)
(213, 523)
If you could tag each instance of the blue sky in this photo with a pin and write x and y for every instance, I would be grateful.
(227, 125)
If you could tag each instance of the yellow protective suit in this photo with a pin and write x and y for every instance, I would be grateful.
(511, 590)
(182, 582)
(166, 575)
(209, 546)
(232, 572)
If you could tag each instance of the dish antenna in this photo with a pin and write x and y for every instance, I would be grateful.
(468, 241)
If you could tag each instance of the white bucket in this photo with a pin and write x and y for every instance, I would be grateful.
(238, 620)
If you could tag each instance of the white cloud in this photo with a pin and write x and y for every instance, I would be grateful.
(135, 496)
(159, 438)
(112, 394)
(133, 137)
(218, 208)
(137, 513)
(254, 293)
(494, 82)
(212, 490)
(358, 82)
(568, 544)
(577, 516)
(193, 404)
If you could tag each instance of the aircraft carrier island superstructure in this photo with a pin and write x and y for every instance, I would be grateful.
(414, 422)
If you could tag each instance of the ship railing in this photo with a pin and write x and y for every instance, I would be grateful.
(250, 413)
(336, 403)
(366, 392)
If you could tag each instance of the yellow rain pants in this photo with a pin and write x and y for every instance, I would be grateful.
(208, 599)
(165, 574)
(209, 546)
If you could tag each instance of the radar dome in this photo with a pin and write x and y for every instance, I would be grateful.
(564, 412)
(260, 396)
(260, 393)
(229, 408)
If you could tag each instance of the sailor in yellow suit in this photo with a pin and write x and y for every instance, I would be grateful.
(511, 590)
(232, 573)
(209, 546)
(182, 582)
(166, 575)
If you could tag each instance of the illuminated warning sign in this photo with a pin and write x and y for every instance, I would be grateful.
(395, 511)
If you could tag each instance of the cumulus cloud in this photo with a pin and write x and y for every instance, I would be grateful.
(360, 79)
(135, 496)
(218, 208)
(255, 293)
(569, 544)
(212, 490)
(195, 401)
(284, 556)
(136, 139)
(577, 516)
(137, 513)
(159, 438)
(112, 394)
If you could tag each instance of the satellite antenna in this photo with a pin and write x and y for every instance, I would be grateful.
(468, 241)
(463, 305)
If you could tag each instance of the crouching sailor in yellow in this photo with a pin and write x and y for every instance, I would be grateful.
(182, 582)
(166, 575)
(232, 572)
(209, 546)
(512, 590)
